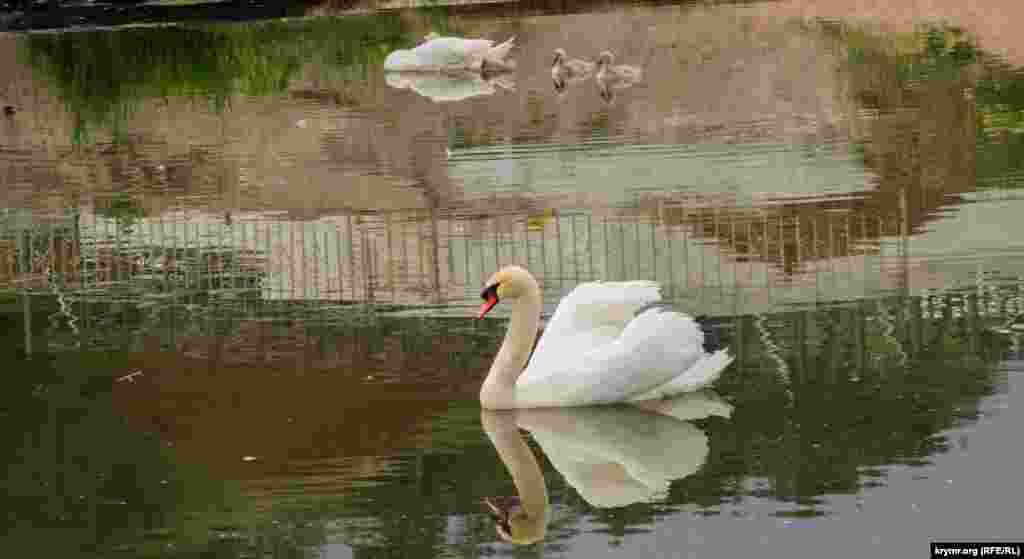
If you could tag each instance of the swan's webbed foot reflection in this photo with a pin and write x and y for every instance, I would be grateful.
(501, 510)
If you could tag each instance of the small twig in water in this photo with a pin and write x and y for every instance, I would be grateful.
(130, 377)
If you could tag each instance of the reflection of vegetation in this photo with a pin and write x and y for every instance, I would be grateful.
(77, 480)
(853, 412)
(122, 208)
(102, 76)
(943, 54)
(921, 121)
(1000, 98)
(848, 412)
(942, 72)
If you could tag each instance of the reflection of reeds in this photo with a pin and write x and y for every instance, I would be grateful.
(102, 77)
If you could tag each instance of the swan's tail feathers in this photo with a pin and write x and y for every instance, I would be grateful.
(498, 53)
(702, 374)
(712, 334)
(706, 371)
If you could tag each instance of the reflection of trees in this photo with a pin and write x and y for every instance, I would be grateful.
(916, 126)
(932, 123)
(999, 94)
(868, 384)
(856, 404)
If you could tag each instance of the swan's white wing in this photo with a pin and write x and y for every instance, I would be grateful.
(654, 348)
(452, 51)
(599, 302)
(593, 314)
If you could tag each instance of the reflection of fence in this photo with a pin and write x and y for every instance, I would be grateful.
(254, 332)
(33, 245)
(720, 262)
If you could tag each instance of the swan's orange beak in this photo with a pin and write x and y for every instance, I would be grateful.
(488, 304)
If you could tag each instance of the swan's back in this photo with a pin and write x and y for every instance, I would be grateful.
(440, 53)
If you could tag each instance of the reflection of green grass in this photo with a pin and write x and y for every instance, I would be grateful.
(1000, 101)
(886, 68)
(102, 76)
(124, 209)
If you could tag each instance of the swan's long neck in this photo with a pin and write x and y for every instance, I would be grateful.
(499, 388)
(522, 465)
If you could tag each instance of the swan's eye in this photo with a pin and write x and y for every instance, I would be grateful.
(490, 292)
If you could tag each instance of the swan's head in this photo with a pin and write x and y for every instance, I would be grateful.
(560, 55)
(605, 58)
(510, 282)
(512, 522)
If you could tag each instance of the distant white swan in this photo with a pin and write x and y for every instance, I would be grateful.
(610, 77)
(595, 349)
(450, 86)
(440, 54)
(612, 456)
(565, 69)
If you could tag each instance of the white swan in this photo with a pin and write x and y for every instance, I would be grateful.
(610, 78)
(565, 70)
(439, 54)
(612, 456)
(593, 351)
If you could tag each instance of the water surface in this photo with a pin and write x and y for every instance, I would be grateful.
(240, 269)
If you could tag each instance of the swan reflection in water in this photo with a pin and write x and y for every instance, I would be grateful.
(451, 86)
(611, 455)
